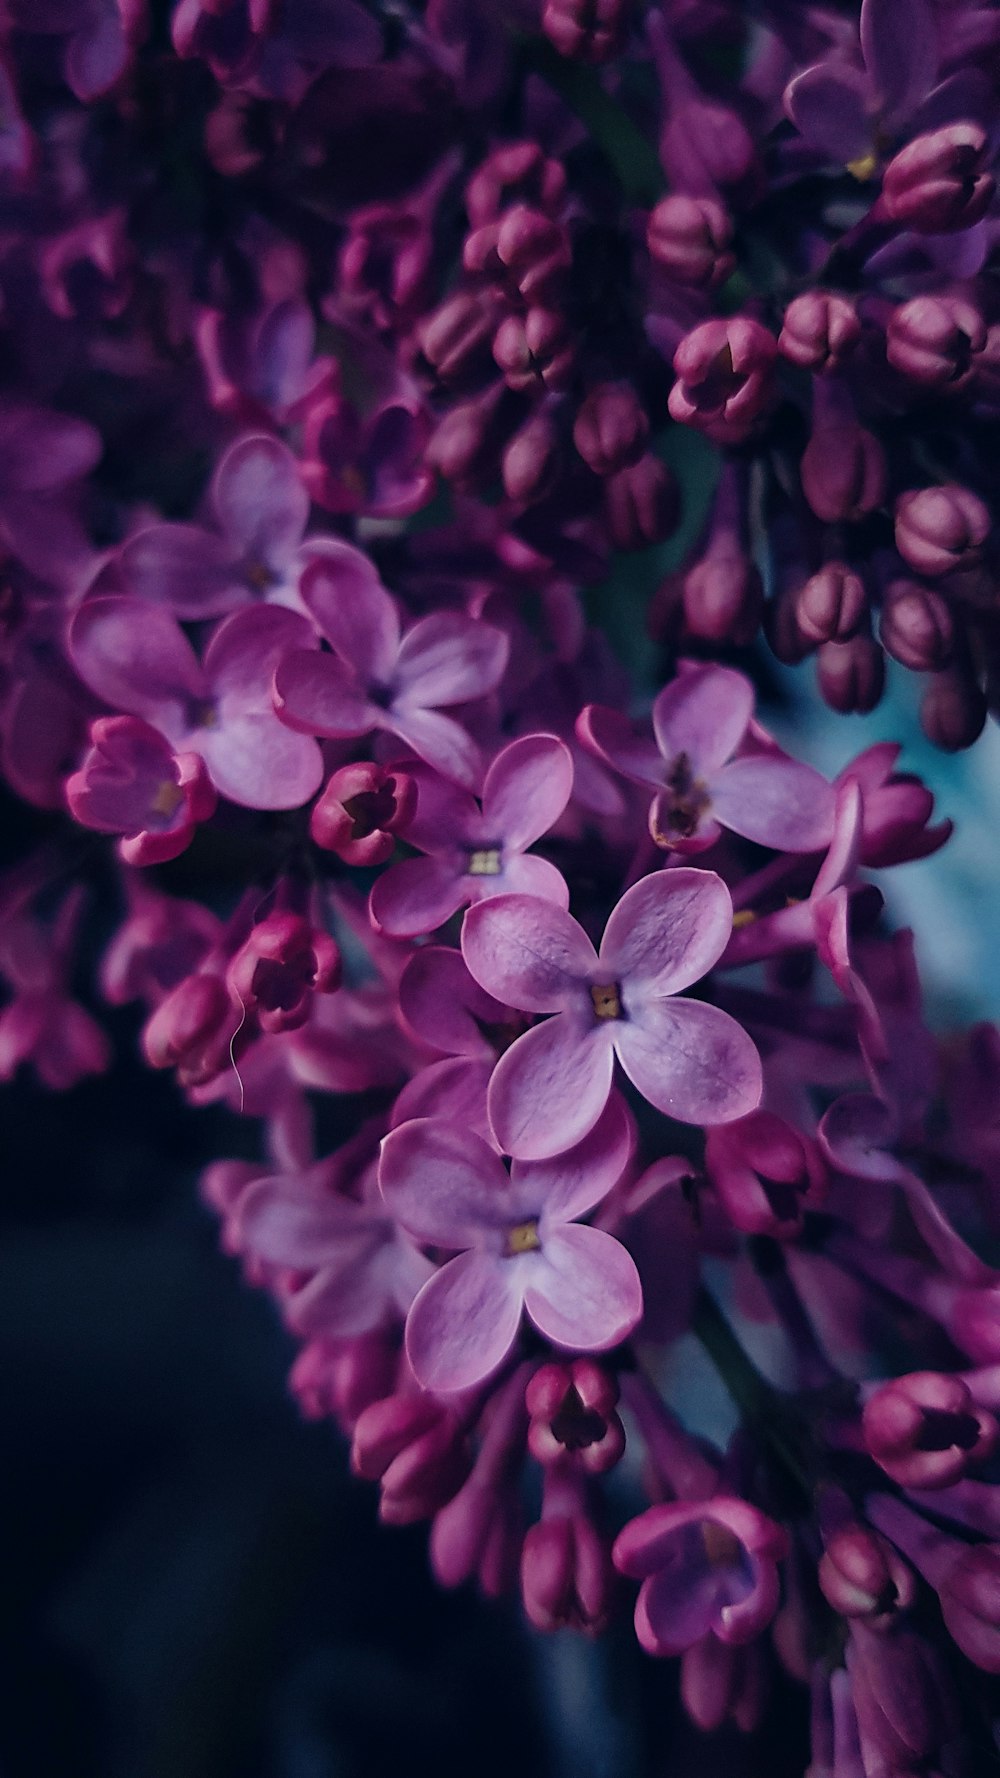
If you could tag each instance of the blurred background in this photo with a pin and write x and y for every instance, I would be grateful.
(194, 1586)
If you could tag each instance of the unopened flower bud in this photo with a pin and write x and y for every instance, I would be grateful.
(820, 331)
(340, 1378)
(939, 183)
(361, 810)
(970, 1604)
(186, 1022)
(724, 370)
(843, 466)
(641, 503)
(456, 339)
(566, 1575)
(690, 238)
(534, 349)
(573, 1419)
(463, 444)
(941, 528)
(723, 596)
(611, 428)
(587, 30)
(935, 339)
(862, 1576)
(832, 604)
(925, 1429)
(517, 172)
(851, 675)
(275, 973)
(530, 460)
(765, 1173)
(953, 713)
(414, 1445)
(535, 251)
(916, 626)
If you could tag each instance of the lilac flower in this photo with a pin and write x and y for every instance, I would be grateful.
(707, 1567)
(689, 1059)
(260, 509)
(132, 783)
(377, 678)
(521, 1247)
(842, 109)
(374, 464)
(700, 722)
(136, 657)
(441, 1005)
(474, 853)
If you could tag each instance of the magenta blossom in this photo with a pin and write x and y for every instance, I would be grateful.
(521, 1247)
(378, 678)
(708, 1567)
(444, 1008)
(132, 783)
(260, 509)
(475, 853)
(700, 721)
(136, 657)
(689, 1059)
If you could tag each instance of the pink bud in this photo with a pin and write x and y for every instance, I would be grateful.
(642, 504)
(280, 966)
(611, 428)
(843, 466)
(851, 675)
(343, 1377)
(186, 1022)
(935, 339)
(587, 30)
(361, 810)
(723, 596)
(861, 1575)
(916, 626)
(517, 172)
(953, 713)
(573, 1418)
(766, 1173)
(462, 445)
(566, 1575)
(690, 238)
(724, 371)
(720, 1684)
(534, 349)
(820, 331)
(970, 1605)
(535, 250)
(414, 1445)
(832, 604)
(940, 528)
(531, 459)
(456, 339)
(925, 1429)
(938, 183)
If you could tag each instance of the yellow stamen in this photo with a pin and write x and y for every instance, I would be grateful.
(745, 917)
(485, 863)
(523, 1238)
(722, 1547)
(864, 167)
(167, 799)
(606, 1000)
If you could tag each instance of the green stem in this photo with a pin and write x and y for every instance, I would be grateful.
(740, 1376)
(628, 151)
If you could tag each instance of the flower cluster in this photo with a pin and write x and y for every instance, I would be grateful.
(346, 348)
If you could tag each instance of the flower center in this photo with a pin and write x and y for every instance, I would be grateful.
(167, 800)
(680, 805)
(258, 575)
(605, 997)
(205, 715)
(722, 1547)
(485, 861)
(522, 1238)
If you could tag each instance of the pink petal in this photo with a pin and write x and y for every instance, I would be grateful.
(440, 741)
(444, 1007)
(41, 449)
(136, 657)
(666, 932)
(464, 1322)
(777, 802)
(690, 1060)
(256, 762)
(830, 105)
(443, 1184)
(342, 591)
(527, 952)
(417, 896)
(182, 566)
(525, 875)
(526, 790)
(584, 1291)
(570, 1184)
(316, 694)
(703, 713)
(617, 741)
(445, 813)
(551, 1086)
(245, 650)
(260, 501)
(454, 1089)
(292, 1223)
(448, 658)
(899, 44)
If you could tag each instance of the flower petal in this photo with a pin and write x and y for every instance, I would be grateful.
(526, 790)
(585, 1292)
(136, 657)
(417, 896)
(444, 1007)
(182, 566)
(352, 609)
(621, 745)
(443, 1184)
(448, 658)
(703, 713)
(446, 815)
(570, 1184)
(900, 47)
(290, 1222)
(830, 105)
(667, 931)
(527, 952)
(244, 651)
(260, 501)
(441, 742)
(316, 694)
(454, 1089)
(690, 1060)
(524, 874)
(551, 1086)
(777, 802)
(256, 762)
(464, 1322)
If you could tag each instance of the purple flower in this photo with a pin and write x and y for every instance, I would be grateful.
(444, 1008)
(521, 1247)
(475, 853)
(842, 109)
(707, 1568)
(136, 657)
(261, 510)
(700, 722)
(689, 1059)
(725, 372)
(132, 783)
(373, 464)
(377, 678)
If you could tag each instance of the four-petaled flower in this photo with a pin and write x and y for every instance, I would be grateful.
(708, 1567)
